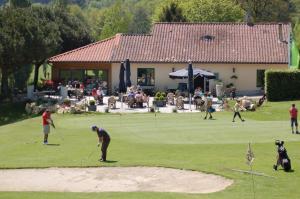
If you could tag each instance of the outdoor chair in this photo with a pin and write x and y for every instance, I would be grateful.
(131, 102)
(139, 102)
(170, 98)
(99, 99)
(111, 103)
(199, 103)
(179, 103)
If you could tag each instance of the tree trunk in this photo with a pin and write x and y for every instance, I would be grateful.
(4, 83)
(36, 75)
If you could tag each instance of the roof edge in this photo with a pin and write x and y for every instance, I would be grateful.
(225, 23)
(80, 48)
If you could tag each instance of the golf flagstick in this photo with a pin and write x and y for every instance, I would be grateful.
(250, 159)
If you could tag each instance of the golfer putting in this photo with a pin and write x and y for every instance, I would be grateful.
(47, 121)
(104, 139)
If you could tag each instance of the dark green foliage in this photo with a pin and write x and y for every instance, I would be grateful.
(266, 10)
(171, 13)
(21, 77)
(73, 31)
(141, 22)
(282, 85)
(20, 3)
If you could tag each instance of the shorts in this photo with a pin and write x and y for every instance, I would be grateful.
(46, 129)
(294, 121)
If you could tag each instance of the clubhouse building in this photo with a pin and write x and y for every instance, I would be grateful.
(237, 53)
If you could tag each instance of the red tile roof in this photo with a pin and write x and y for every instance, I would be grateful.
(198, 42)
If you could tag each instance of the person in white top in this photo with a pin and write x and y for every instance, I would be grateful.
(236, 110)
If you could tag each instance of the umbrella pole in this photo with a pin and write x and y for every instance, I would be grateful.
(190, 98)
(121, 102)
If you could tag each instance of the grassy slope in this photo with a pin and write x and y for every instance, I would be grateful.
(169, 140)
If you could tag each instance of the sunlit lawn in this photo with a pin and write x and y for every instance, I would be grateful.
(168, 140)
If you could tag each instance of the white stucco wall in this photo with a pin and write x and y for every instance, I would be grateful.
(246, 73)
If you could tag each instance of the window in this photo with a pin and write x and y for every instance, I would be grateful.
(260, 78)
(145, 76)
(82, 74)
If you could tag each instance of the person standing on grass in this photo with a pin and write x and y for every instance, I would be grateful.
(294, 113)
(47, 121)
(104, 138)
(208, 105)
(236, 110)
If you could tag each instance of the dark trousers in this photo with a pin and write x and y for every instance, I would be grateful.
(104, 147)
(237, 114)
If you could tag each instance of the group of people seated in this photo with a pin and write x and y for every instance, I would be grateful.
(136, 97)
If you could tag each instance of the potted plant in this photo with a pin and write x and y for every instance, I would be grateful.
(160, 99)
(67, 102)
(92, 105)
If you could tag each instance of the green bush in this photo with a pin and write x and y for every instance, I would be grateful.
(160, 96)
(282, 85)
(92, 102)
(67, 102)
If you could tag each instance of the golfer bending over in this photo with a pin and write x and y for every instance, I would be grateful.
(104, 139)
(47, 121)
(236, 110)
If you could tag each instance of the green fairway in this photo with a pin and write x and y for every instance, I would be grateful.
(168, 140)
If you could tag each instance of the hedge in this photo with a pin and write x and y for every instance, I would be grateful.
(282, 85)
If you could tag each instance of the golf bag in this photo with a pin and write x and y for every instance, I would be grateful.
(283, 158)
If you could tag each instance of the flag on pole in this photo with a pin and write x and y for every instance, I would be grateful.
(249, 155)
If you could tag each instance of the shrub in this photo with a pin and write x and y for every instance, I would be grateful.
(160, 96)
(92, 102)
(67, 102)
(282, 85)
(174, 110)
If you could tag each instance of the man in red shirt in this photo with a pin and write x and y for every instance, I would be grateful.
(293, 114)
(47, 121)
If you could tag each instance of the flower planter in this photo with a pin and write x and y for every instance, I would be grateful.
(160, 103)
(92, 108)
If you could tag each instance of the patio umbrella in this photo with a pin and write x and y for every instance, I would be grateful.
(191, 78)
(128, 73)
(183, 74)
(191, 82)
(122, 87)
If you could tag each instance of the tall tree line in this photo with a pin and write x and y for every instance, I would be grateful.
(31, 34)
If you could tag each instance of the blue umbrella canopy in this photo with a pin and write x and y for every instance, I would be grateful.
(183, 74)
(122, 87)
(128, 73)
(191, 78)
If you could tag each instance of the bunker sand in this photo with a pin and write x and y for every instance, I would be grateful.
(111, 179)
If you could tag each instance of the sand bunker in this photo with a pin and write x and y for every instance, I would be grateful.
(111, 179)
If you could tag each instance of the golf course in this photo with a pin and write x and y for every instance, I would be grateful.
(175, 140)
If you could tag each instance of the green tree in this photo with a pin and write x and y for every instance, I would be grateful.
(212, 11)
(14, 24)
(73, 31)
(117, 20)
(141, 22)
(45, 38)
(171, 12)
(266, 10)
